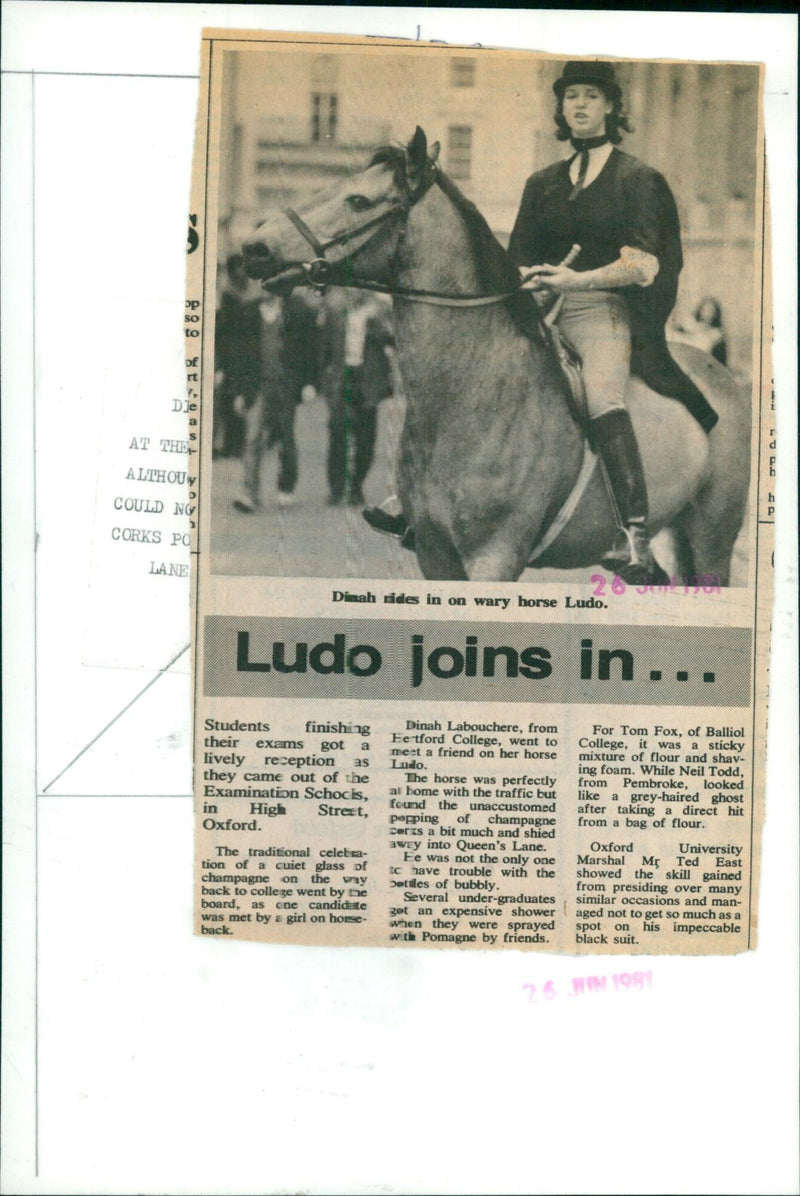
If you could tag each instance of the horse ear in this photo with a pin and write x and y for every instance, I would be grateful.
(433, 152)
(418, 151)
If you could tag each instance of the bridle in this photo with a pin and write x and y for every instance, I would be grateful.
(318, 269)
(316, 272)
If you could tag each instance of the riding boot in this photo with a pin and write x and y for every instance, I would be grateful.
(631, 557)
(390, 525)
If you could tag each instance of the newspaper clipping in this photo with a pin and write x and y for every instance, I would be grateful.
(481, 457)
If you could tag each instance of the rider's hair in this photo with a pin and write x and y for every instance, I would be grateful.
(617, 121)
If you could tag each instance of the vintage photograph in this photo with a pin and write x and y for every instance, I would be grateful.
(483, 316)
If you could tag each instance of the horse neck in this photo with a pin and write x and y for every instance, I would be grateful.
(437, 254)
(453, 359)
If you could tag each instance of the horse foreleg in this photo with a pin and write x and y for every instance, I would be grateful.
(441, 560)
(496, 561)
(438, 557)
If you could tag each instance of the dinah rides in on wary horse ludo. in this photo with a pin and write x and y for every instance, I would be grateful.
(495, 470)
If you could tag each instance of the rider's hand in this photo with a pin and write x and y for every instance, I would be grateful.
(530, 284)
(557, 279)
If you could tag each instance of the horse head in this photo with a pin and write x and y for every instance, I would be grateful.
(356, 224)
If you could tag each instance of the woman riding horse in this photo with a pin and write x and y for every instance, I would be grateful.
(616, 299)
(618, 296)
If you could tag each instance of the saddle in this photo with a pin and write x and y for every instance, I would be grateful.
(571, 364)
(652, 362)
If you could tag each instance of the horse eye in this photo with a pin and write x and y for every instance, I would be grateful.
(359, 202)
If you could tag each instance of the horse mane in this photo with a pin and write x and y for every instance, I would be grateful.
(496, 272)
(394, 156)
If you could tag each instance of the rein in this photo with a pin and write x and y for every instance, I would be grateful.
(435, 298)
(316, 272)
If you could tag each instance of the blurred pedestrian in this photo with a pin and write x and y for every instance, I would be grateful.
(357, 376)
(289, 355)
(303, 312)
(237, 358)
(265, 416)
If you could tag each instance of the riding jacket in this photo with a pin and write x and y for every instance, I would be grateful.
(628, 204)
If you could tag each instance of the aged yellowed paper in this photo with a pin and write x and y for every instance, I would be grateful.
(477, 349)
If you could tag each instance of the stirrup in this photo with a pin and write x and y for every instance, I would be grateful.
(631, 558)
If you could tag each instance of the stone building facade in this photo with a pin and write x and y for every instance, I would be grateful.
(294, 121)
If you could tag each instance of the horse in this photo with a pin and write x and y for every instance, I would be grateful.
(491, 450)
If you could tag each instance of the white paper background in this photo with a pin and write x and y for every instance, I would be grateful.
(140, 1059)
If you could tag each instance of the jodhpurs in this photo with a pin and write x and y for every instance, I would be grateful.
(597, 324)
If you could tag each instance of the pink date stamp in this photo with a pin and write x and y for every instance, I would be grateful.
(619, 982)
(708, 583)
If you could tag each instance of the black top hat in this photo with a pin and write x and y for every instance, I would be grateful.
(586, 71)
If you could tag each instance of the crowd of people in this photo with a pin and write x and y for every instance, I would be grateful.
(271, 353)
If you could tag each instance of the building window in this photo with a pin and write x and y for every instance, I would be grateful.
(275, 195)
(742, 139)
(462, 72)
(459, 151)
(324, 116)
